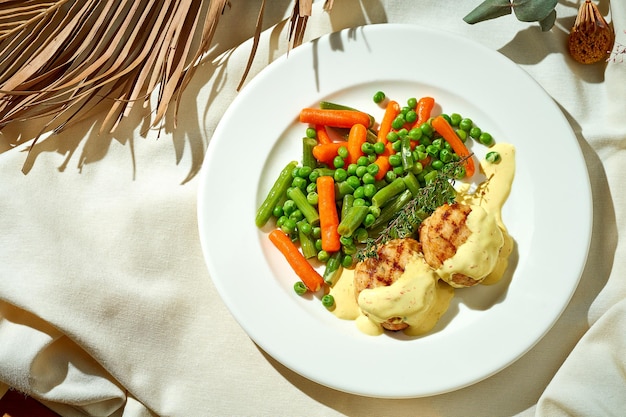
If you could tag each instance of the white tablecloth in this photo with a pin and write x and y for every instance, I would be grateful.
(106, 305)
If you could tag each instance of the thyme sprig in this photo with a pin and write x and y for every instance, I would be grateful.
(439, 191)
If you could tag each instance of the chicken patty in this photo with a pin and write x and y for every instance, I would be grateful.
(384, 270)
(442, 233)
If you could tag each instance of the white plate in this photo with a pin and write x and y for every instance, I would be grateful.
(486, 328)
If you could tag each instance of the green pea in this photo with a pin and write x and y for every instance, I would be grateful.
(347, 261)
(305, 227)
(379, 148)
(390, 176)
(392, 136)
(304, 172)
(359, 192)
(346, 240)
(466, 124)
(368, 178)
(299, 182)
(373, 169)
(323, 256)
(445, 156)
(353, 181)
(398, 122)
(395, 160)
(362, 161)
(340, 175)
(361, 170)
(318, 244)
(369, 190)
(367, 148)
(411, 102)
(427, 129)
(448, 119)
(415, 133)
(359, 201)
(402, 132)
(314, 176)
(296, 215)
(411, 116)
(486, 139)
(312, 198)
(311, 133)
(455, 119)
(432, 150)
(399, 171)
(475, 132)
(300, 288)
(379, 97)
(311, 187)
(338, 162)
(397, 145)
(289, 206)
(317, 232)
(343, 152)
(417, 168)
(278, 211)
(375, 211)
(369, 220)
(280, 221)
(437, 164)
(462, 134)
(288, 226)
(492, 157)
(372, 158)
(351, 170)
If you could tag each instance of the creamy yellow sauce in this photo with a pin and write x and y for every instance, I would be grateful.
(491, 195)
(419, 297)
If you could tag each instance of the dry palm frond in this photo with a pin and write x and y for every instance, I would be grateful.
(59, 59)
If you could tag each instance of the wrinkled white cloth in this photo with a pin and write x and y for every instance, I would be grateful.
(106, 305)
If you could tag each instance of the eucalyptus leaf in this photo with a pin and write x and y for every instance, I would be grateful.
(547, 22)
(533, 10)
(488, 9)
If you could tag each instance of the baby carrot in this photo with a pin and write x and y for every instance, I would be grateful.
(391, 111)
(356, 138)
(303, 269)
(326, 152)
(423, 109)
(441, 125)
(329, 218)
(333, 118)
(322, 134)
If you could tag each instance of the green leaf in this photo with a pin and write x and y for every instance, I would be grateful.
(488, 9)
(547, 22)
(533, 10)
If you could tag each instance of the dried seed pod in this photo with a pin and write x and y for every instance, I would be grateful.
(591, 37)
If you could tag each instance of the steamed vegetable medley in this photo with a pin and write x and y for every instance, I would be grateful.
(356, 176)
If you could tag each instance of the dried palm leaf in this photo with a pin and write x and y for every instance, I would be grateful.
(59, 59)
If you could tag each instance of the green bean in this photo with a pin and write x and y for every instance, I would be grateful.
(307, 209)
(385, 194)
(308, 160)
(412, 184)
(278, 190)
(389, 211)
(306, 241)
(333, 268)
(352, 220)
(406, 153)
(342, 189)
(347, 202)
